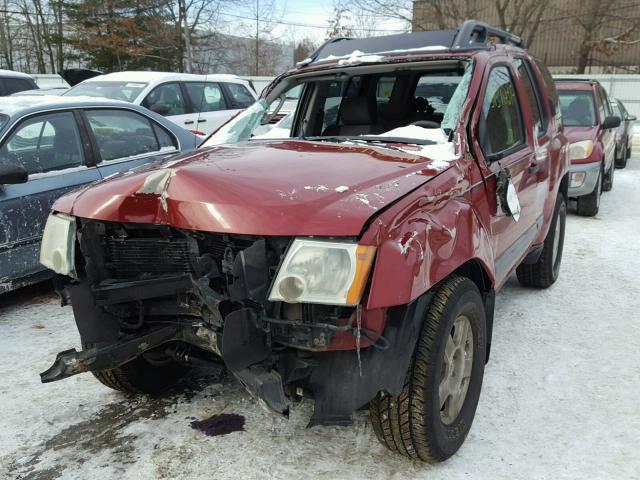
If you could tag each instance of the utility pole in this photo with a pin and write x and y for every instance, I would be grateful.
(257, 69)
(187, 37)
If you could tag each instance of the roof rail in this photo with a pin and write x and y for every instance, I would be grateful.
(569, 79)
(474, 35)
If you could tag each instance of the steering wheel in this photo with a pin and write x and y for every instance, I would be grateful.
(426, 124)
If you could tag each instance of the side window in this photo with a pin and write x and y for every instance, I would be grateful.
(241, 97)
(531, 95)
(121, 133)
(44, 144)
(605, 102)
(550, 87)
(601, 105)
(13, 85)
(384, 89)
(336, 90)
(166, 100)
(165, 140)
(500, 128)
(205, 97)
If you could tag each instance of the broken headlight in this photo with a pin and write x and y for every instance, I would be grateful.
(57, 250)
(319, 271)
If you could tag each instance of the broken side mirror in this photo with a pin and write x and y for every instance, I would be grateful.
(611, 122)
(12, 174)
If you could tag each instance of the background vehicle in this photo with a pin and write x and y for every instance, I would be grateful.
(624, 133)
(41, 92)
(200, 103)
(590, 125)
(50, 145)
(12, 82)
(356, 262)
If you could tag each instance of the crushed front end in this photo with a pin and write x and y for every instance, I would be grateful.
(198, 297)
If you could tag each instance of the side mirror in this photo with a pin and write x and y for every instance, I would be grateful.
(12, 174)
(631, 118)
(611, 122)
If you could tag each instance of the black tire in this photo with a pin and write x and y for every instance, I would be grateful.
(143, 375)
(629, 152)
(412, 423)
(588, 205)
(622, 161)
(545, 271)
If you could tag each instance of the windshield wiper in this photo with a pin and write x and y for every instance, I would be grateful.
(373, 139)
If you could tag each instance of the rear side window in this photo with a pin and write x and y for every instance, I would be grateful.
(240, 95)
(578, 108)
(531, 95)
(45, 143)
(13, 85)
(205, 97)
(384, 89)
(166, 99)
(500, 128)
(121, 134)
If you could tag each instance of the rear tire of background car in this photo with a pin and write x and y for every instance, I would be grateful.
(622, 161)
(545, 271)
(448, 361)
(629, 152)
(144, 375)
(607, 184)
(588, 205)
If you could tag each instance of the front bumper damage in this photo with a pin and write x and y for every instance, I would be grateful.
(215, 308)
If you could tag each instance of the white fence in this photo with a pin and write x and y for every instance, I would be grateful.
(625, 88)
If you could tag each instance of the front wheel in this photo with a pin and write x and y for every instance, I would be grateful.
(622, 161)
(545, 271)
(431, 417)
(588, 205)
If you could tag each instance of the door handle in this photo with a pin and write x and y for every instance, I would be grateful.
(189, 122)
(202, 120)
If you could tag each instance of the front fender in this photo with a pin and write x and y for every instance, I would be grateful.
(427, 239)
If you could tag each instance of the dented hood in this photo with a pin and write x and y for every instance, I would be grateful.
(290, 187)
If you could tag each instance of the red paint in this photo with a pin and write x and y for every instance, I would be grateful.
(433, 222)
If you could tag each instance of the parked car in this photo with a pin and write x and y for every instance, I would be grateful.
(199, 103)
(589, 124)
(50, 145)
(355, 262)
(12, 82)
(624, 133)
(41, 92)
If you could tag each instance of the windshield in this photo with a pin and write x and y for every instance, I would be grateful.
(420, 107)
(617, 110)
(578, 108)
(126, 91)
(3, 120)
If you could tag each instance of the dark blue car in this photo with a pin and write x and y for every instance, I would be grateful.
(51, 145)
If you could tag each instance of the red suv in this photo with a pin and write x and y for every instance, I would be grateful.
(354, 260)
(589, 123)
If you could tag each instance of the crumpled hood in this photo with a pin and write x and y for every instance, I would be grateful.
(288, 187)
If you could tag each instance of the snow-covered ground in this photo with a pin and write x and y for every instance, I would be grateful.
(561, 395)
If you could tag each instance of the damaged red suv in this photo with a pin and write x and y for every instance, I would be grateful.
(355, 260)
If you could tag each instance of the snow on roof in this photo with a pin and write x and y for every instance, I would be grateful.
(12, 105)
(148, 77)
(11, 73)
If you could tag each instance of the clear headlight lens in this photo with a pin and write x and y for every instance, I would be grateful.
(580, 150)
(328, 272)
(57, 250)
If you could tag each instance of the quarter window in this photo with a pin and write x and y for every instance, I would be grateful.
(205, 97)
(500, 128)
(45, 143)
(166, 100)
(241, 97)
(121, 134)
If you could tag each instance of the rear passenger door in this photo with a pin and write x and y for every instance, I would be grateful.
(54, 152)
(501, 141)
(210, 106)
(169, 100)
(124, 139)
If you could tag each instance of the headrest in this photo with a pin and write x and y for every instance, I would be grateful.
(357, 111)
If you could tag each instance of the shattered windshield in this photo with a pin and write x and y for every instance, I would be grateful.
(420, 107)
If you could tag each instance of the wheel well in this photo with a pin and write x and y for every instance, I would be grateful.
(474, 271)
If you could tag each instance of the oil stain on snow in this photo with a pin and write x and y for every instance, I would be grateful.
(220, 424)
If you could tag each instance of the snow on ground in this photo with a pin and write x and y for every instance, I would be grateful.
(560, 396)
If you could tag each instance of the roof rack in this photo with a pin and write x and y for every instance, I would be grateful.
(569, 79)
(472, 35)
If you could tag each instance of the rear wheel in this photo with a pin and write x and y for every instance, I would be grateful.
(545, 271)
(621, 162)
(431, 417)
(588, 205)
(152, 373)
